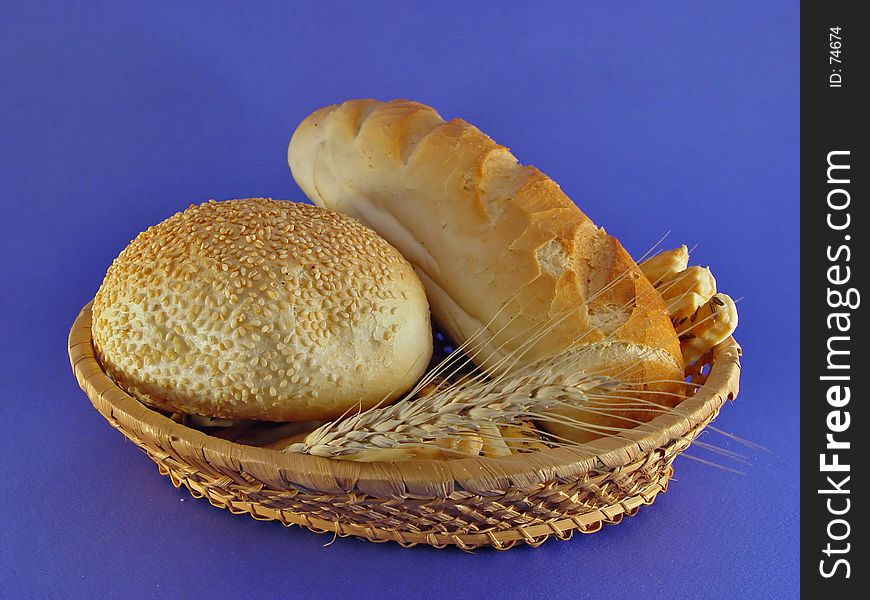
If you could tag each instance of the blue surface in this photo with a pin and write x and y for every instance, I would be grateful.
(659, 117)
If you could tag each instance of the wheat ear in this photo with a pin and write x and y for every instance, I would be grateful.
(457, 410)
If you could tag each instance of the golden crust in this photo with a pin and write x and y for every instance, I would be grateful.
(261, 309)
(480, 224)
(483, 231)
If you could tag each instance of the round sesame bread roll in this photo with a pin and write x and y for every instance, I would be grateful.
(261, 309)
(506, 257)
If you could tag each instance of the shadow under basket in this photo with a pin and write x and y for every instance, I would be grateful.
(469, 503)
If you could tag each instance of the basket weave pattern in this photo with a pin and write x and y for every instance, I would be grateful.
(467, 503)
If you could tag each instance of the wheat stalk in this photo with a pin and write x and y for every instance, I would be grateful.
(458, 409)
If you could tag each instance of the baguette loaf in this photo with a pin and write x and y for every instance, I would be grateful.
(503, 253)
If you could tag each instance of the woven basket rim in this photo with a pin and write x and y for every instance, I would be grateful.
(416, 478)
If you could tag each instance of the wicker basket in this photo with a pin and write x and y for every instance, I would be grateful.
(498, 502)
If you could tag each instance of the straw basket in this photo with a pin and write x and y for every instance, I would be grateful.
(473, 502)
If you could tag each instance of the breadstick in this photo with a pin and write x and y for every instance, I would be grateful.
(657, 267)
(685, 291)
(708, 326)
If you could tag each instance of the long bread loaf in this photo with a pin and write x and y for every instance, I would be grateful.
(505, 256)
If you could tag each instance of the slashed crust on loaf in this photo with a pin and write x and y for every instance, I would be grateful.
(483, 232)
(480, 227)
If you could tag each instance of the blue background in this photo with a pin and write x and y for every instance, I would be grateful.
(654, 116)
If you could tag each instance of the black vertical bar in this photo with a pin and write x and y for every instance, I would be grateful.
(834, 363)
